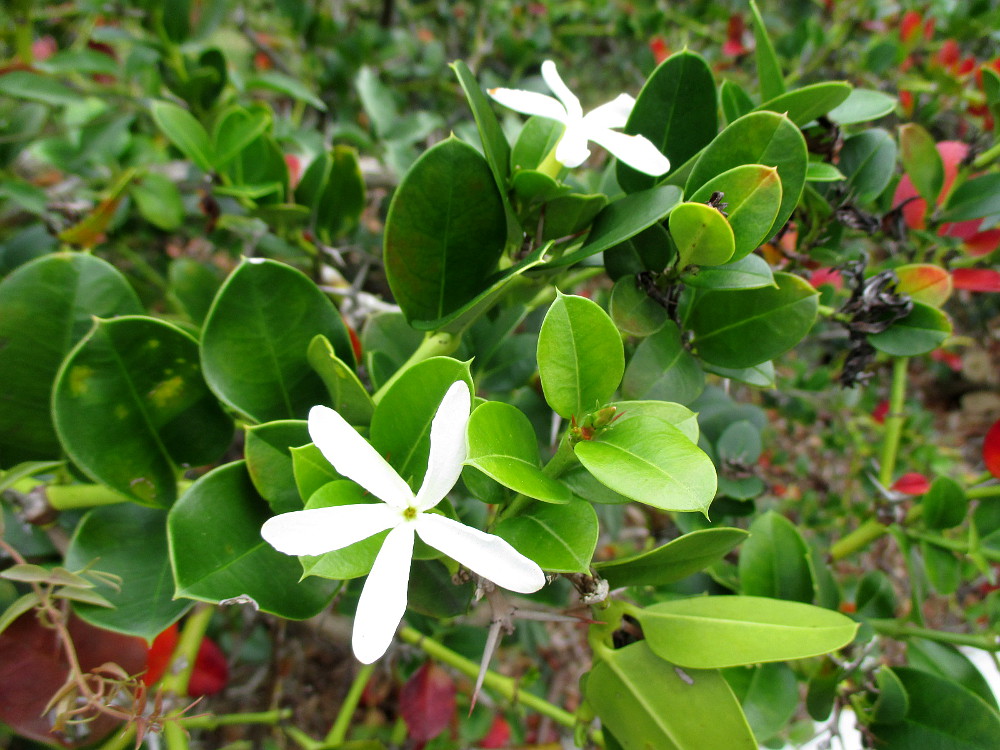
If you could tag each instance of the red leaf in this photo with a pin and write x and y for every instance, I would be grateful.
(733, 46)
(991, 449)
(880, 411)
(427, 702)
(909, 26)
(498, 736)
(211, 670)
(658, 46)
(158, 655)
(912, 483)
(976, 279)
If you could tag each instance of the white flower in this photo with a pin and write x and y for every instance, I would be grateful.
(635, 150)
(321, 530)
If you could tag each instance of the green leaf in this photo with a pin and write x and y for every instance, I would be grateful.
(158, 200)
(747, 327)
(217, 553)
(940, 714)
(945, 504)
(809, 102)
(495, 146)
(672, 561)
(772, 82)
(311, 470)
(445, 231)
(735, 101)
(651, 462)
(876, 596)
(387, 341)
(991, 88)
(567, 215)
(869, 159)
(974, 199)
(945, 660)
(711, 632)
(23, 84)
(647, 703)
(862, 105)
(623, 219)
(769, 695)
(761, 375)
(269, 461)
(236, 128)
(130, 542)
(255, 352)
(537, 138)
(502, 445)
(580, 356)
(193, 286)
(941, 567)
(561, 539)
(347, 395)
(774, 561)
(633, 311)
(673, 414)
(661, 368)
(131, 407)
(752, 194)
(749, 272)
(702, 235)
(676, 110)
(763, 138)
(401, 424)
(819, 171)
(185, 132)
(921, 161)
(354, 560)
(272, 80)
(920, 332)
(377, 100)
(650, 250)
(46, 306)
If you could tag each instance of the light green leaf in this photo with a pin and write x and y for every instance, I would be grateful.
(750, 272)
(752, 196)
(672, 561)
(702, 235)
(347, 395)
(185, 132)
(561, 539)
(774, 561)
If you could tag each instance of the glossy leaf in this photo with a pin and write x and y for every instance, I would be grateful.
(711, 632)
(672, 561)
(537, 138)
(676, 110)
(924, 282)
(862, 105)
(269, 461)
(311, 470)
(337, 209)
(560, 538)
(46, 307)
(633, 310)
(651, 462)
(255, 351)
(158, 201)
(217, 553)
(646, 702)
(567, 215)
(735, 101)
(769, 695)
(623, 219)
(131, 408)
(502, 445)
(763, 138)
(749, 272)
(809, 102)
(131, 542)
(650, 250)
(921, 160)
(580, 356)
(347, 395)
(446, 214)
(661, 368)
(495, 145)
(945, 505)
(939, 713)
(747, 327)
(185, 132)
(673, 414)
(702, 235)
(920, 332)
(752, 196)
(774, 561)
(949, 662)
(869, 160)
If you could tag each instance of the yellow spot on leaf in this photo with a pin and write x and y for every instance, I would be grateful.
(166, 393)
(79, 379)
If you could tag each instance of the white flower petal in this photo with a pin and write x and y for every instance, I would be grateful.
(353, 457)
(449, 446)
(635, 150)
(320, 530)
(530, 103)
(486, 554)
(614, 114)
(572, 151)
(383, 599)
(553, 80)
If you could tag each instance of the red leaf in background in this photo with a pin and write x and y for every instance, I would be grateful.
(991, 450)
(355, 341)
(658, 46)
(912, 483)
(211, 670)
(950, 359)
(909, 25)
(33, 668)
(879, 412)
(830, 276)
(976, 279)
(498, 736)
(427, 702)
(733, 46)
(294, 164)
(949, 54)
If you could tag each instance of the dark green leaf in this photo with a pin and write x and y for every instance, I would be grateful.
(945, 505)
(347, 395)
(974, 199)
(869, 160)
(809, 102)
(774, 561)
(269, 461)
(662, 368)
(185, 132)
(772, 82)
(633, 310)
(560, 538)
(920, 332)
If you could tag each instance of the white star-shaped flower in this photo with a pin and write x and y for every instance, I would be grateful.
(635, 150)
(321, 530)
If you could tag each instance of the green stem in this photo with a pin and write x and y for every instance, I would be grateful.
(186, 653)
(952, 544)
(437, 344)
(858, 539)
(223, 720)
(175, 737)
(990, 490)
(894, 421)
(120, 740)
(895, 629)
(987, 157)
(506, 687)
(338, 732)
(72, 496)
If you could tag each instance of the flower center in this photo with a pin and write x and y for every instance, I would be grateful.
(410, 513)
